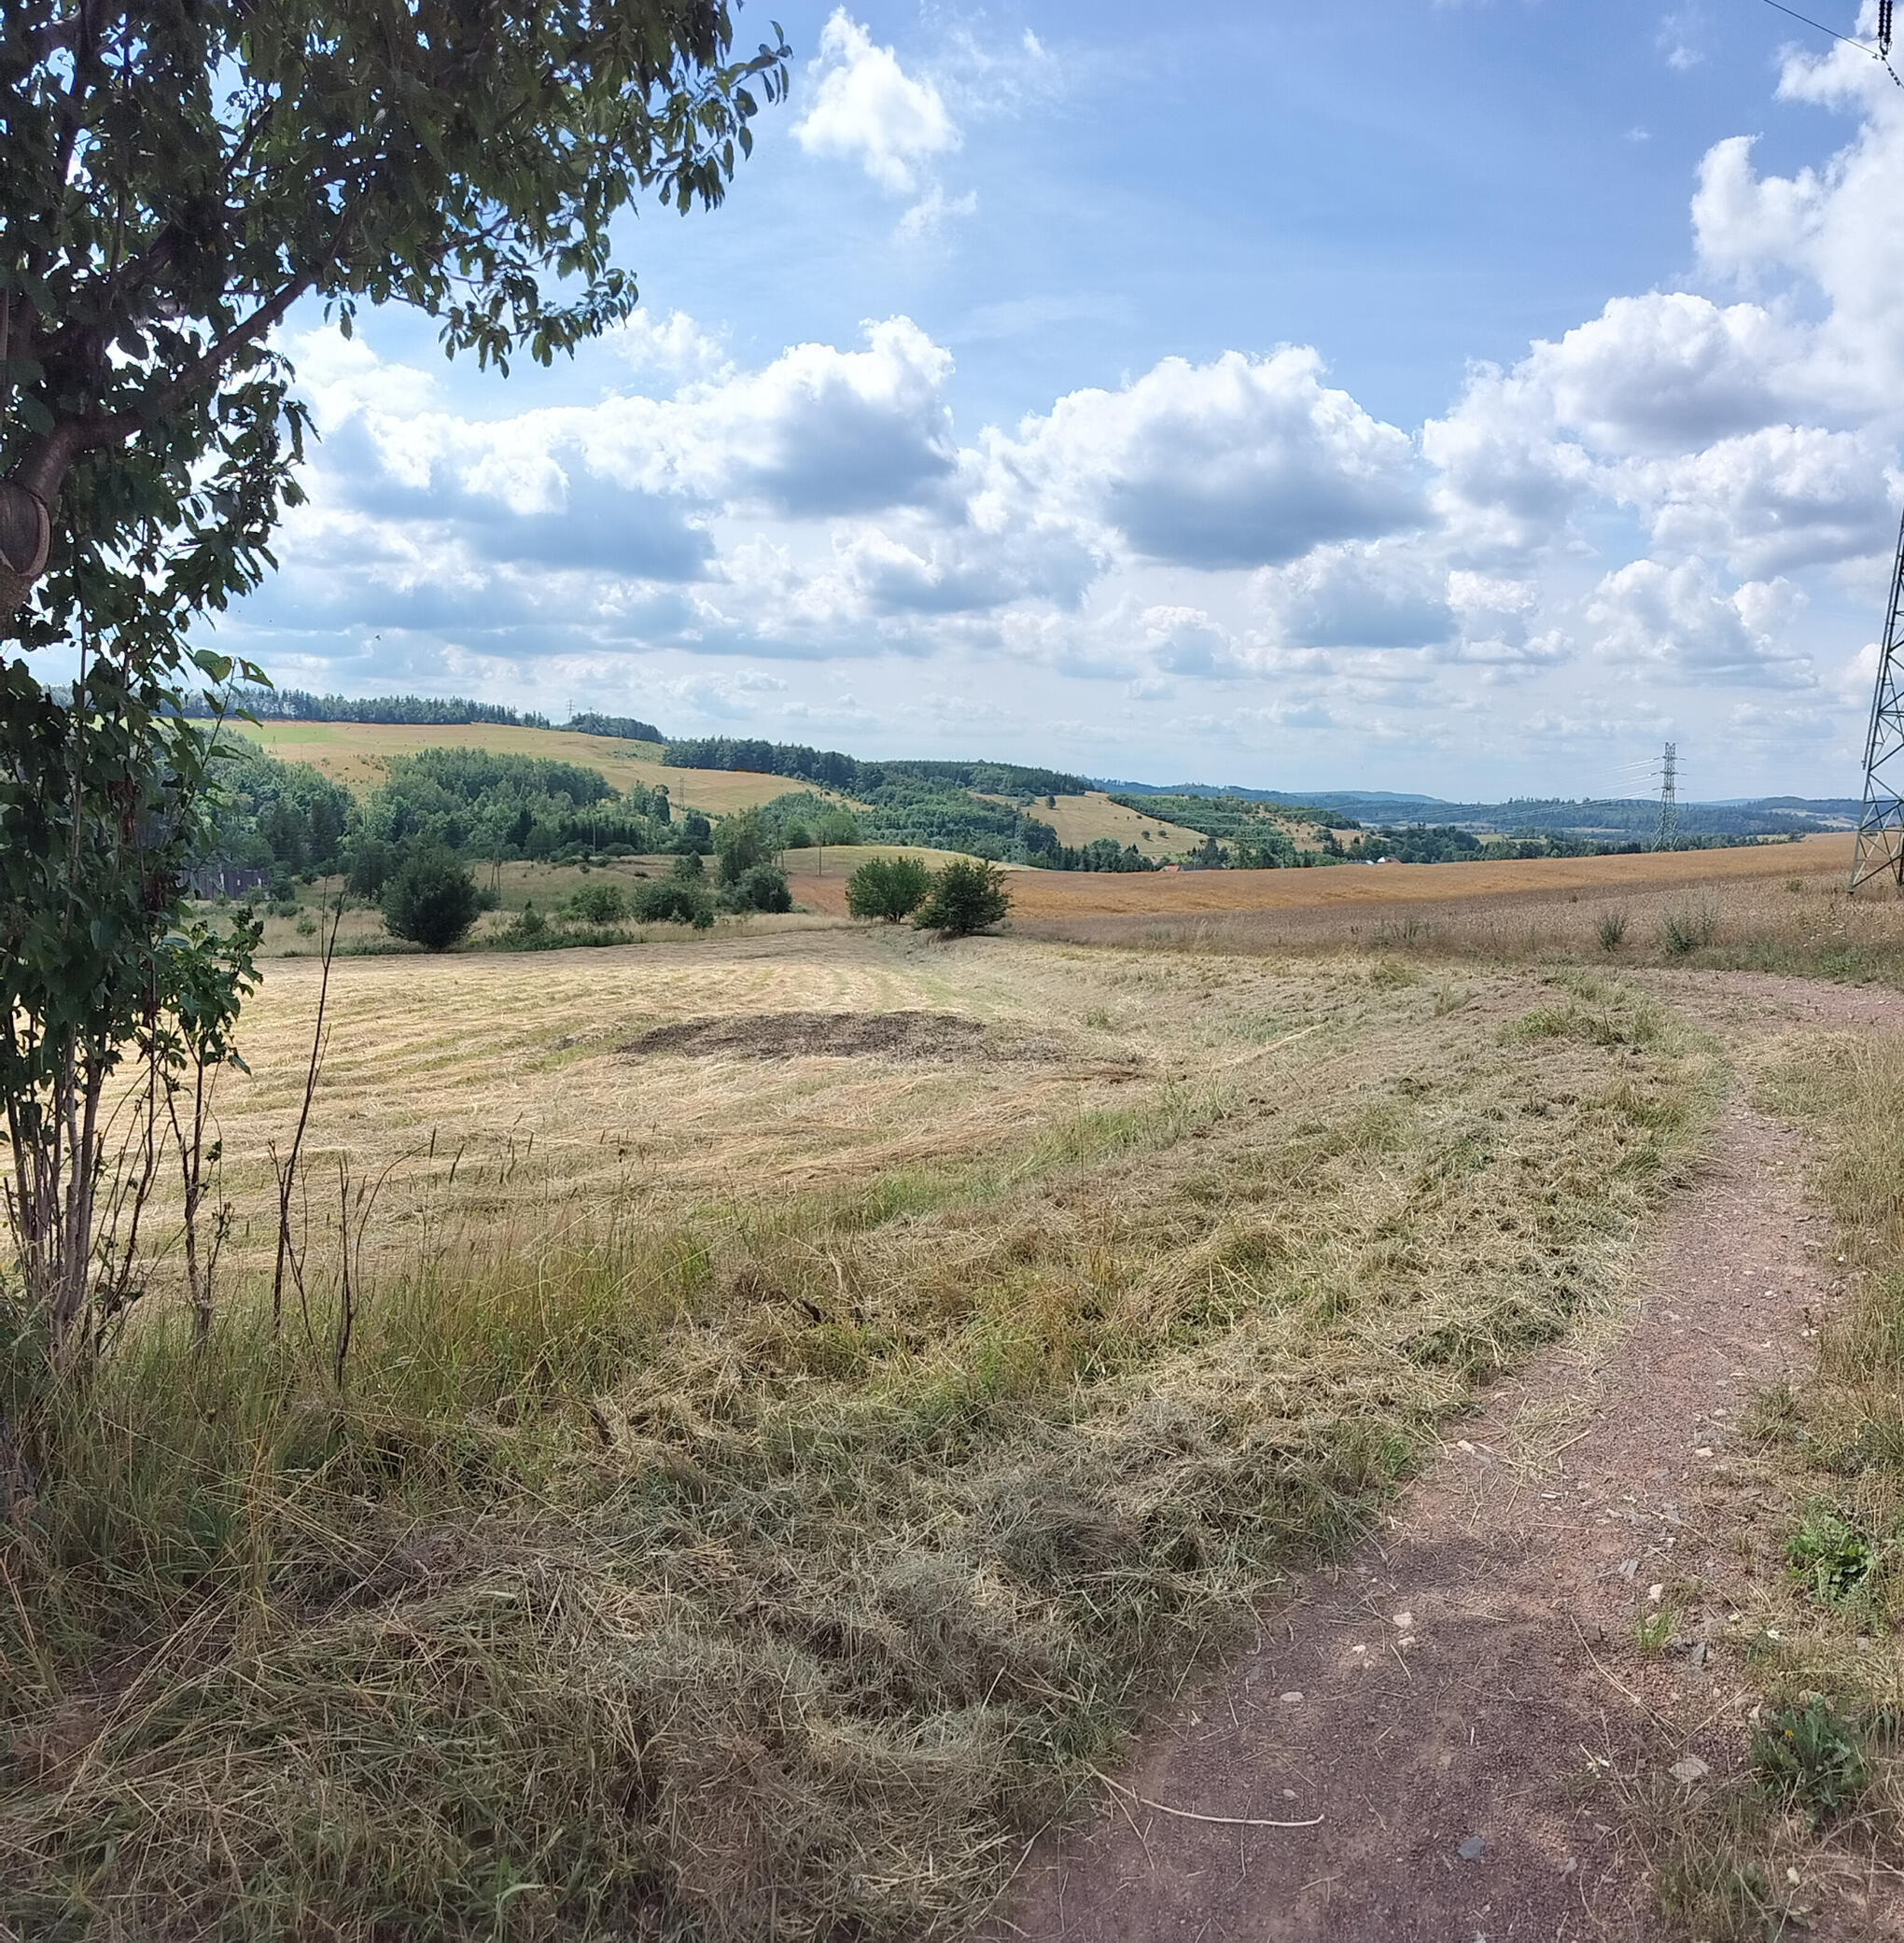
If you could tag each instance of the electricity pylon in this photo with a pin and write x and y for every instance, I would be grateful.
(1669, 799)
(1881, 828)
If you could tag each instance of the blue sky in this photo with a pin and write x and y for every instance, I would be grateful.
(1459, 397)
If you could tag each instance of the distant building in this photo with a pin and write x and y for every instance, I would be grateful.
(214, 880)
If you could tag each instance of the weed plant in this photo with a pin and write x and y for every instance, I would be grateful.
(1829, 1747)
(1811, 1756)
(1688, 926)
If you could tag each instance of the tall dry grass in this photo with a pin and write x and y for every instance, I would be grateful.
(777, 1563)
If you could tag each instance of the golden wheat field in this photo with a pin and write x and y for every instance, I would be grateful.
(356, 754)
(1049, 900)
(1082, 819)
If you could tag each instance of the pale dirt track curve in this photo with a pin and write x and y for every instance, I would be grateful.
(1436, 1699)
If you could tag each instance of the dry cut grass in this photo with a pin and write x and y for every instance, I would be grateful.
(1781, 909)
(758, 1511)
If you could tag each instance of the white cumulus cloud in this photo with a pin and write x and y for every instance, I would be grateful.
(868, 110)
(1242, 462)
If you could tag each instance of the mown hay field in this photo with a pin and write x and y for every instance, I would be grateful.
(1082, 819)
(806, 1397)
(357, 754)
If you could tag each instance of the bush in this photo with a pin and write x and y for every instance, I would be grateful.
(762, 889)
(1689, 927)
(1612, 929)
(891, 887)
(430, 900)
(599, 903)
(965, 897)
(674, 900)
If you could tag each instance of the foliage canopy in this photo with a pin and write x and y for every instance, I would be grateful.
(967, 896)
(430, 900)
(888, 888)
(173, 177)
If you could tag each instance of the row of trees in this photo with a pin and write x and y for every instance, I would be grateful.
(967, 895)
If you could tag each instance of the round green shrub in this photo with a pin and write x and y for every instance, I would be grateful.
(966, 896)
(430, 900)
(761, 887)
(674, 900)
(599, 903)
(888, 888)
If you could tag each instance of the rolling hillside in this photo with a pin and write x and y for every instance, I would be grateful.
(354, 754)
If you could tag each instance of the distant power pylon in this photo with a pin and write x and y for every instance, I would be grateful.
(1669, 799)
(1881, 828)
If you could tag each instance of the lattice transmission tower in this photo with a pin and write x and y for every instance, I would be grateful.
(1881, 828)
(1669, 799)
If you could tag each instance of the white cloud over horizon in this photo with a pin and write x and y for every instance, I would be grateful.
(1643, 515)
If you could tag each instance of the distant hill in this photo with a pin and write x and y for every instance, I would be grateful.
(1627, 816)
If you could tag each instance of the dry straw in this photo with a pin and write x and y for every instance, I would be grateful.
(763, 1493)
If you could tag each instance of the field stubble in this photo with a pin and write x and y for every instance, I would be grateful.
(1777, 909)
(766, 1488)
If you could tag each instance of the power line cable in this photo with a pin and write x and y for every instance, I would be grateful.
(1880, 54)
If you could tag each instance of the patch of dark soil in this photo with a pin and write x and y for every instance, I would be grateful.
(895, 1035)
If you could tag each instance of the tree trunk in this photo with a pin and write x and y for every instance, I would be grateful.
(25, 534)
(27, 496)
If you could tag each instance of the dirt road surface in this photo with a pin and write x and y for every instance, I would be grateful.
(1440, 1720)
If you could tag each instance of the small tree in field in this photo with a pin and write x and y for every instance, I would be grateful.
(743, 840)
(674, 900)
(967, 896)
(888, 888)
(764, 888)
(430, 900)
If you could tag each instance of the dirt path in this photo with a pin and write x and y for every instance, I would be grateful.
(1433, 1708)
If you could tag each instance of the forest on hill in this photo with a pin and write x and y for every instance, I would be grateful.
(1629, 817)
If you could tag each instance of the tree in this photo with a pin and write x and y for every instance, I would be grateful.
(178, 175)
(889, 888)
(599, 903)
(743, 839)
(966, 896)
(173, 177)
(430, 900)
(103, 975)
(674, 900)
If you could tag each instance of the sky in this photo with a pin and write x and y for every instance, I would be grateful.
(1456, 398)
